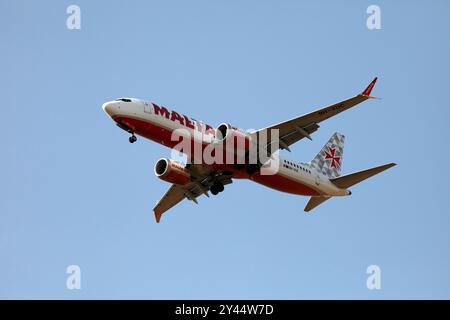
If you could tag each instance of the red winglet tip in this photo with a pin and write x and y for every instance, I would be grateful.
(158, 216)
(369, 88)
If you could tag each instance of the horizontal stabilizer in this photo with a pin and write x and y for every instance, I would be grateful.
(314, 202)
(354, 178)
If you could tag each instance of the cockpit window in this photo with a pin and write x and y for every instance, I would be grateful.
(124, 100)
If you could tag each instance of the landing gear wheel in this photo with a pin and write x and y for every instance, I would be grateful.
(217, 188)
(132, 139)
(214, 191)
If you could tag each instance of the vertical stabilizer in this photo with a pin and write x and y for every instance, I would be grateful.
(329, 160)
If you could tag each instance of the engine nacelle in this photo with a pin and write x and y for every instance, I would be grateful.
(233, 137)
(172, 171)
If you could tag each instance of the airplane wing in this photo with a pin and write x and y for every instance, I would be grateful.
(201, 185)
(172, 196)
(301, 127)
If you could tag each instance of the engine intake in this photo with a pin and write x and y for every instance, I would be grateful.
(235, 141)
(227, 133)
(172, 171)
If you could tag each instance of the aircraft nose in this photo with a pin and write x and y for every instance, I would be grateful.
(109, 108)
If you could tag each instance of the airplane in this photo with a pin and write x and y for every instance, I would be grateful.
(319, 179)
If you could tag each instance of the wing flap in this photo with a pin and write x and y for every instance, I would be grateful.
(177, 193)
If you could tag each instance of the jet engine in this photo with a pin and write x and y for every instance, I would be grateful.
(233, 138)
(172, 171)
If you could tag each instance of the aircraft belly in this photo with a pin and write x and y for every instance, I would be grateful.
(286, 184)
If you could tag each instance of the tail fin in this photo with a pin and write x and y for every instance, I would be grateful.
(349, 180)
(329, 160)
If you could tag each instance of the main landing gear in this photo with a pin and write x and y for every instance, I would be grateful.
(216, 188)
(132, 139)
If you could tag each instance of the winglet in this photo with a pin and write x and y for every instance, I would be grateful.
(369, 88)
(158, 216)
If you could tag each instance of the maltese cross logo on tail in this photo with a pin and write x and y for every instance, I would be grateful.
(335, 160)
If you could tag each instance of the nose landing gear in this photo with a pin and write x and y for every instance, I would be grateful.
(128, 129)
(132, 139)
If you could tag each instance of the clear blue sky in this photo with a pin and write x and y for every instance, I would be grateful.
(74, 191)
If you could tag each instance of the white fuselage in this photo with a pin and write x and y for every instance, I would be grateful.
(158, 124)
